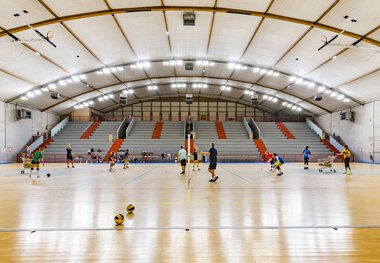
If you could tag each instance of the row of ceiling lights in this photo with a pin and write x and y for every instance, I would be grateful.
(146, 64)
(53, 86)
(321, 89)
(183, 85)
(100, 99)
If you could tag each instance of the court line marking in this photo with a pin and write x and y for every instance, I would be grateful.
(236, 175)
(122, 228)
(140, 175)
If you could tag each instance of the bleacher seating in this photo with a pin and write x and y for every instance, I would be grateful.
(140, 138)
(275, 140)
(72, 133)
(236, 143)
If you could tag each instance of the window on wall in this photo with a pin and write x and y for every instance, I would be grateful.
(200, 109)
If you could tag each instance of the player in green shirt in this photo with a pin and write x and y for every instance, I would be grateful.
(37, 157)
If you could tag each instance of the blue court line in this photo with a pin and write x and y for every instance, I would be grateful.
(141, 175)
(6, 162)
(236, 175)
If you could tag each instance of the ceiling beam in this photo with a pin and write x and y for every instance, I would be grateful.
(307, 31)
(172, 95)
(196, 9)
(300, 38)
(125, 38)
(216, 61)
(212, 78)
(77, 39)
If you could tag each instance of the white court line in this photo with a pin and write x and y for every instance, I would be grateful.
(121, 228)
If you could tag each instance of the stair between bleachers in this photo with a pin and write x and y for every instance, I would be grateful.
(114, 148)
(220, 130)
(90, 130)
(332, 148)
(44, 144)
(288, 134)
(260, 145)
(157, 130)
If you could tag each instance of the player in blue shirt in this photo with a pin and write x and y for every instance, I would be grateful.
(306, 155)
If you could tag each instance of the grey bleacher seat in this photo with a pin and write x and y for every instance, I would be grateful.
(74, 130)
(237, 142)
(275, 140)
(140, 138)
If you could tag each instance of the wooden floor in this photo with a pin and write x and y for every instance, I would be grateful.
(249, 215)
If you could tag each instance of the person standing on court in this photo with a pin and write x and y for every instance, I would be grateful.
(213, 154)
(69, 156)
(182, 159)
(196, 158)
(27, 152)
(306, 155)
(36, 159)
(347, 156)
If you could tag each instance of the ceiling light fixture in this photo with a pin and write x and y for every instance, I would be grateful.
(256, 69)
(24, 98)
(225, 88)
(152, 87)
(321, 88)
(30, 94)
(75, 78)
(263, 71)
(299, 80)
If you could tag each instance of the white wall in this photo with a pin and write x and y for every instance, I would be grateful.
(16, 133)
(362, 135)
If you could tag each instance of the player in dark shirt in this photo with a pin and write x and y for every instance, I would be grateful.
(213, 153)
(69, 156)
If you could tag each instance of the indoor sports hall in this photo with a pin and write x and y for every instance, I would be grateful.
(189, 131)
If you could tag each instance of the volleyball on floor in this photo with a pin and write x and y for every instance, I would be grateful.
(119, 219)
(130, 209)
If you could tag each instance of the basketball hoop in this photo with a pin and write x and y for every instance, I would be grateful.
(49, 35)
(324, 39)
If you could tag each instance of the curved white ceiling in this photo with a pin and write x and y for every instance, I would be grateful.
(282, 35)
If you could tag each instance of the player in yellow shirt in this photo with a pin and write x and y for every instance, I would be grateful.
(346, 156)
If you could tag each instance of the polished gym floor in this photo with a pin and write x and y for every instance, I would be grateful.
(248, 215)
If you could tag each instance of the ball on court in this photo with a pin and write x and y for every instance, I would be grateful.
(48, 175)
(130, 209)
(119, 219)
